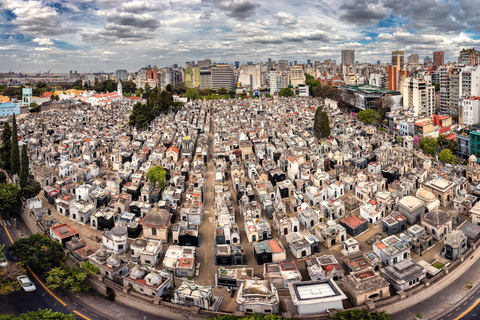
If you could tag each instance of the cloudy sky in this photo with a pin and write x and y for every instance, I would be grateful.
(105, 35)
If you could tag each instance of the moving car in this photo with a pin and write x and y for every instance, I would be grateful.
(26, 284)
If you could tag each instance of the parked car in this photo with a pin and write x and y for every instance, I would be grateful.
(26, 284)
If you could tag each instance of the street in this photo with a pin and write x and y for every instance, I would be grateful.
(85, 305)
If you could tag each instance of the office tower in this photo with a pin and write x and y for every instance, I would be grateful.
(392, 77)
(296, 76)
(278, 80)
(348, 57)
(413, 59)
(378, 62)
(121, 75)
(398, 59)
(419, 94)
(308, 61)
(205, 78)
(438, 58)
(282, 64)
(295, 62)
(223, 76)
(188, 77)
(152, 74)
(237, 64)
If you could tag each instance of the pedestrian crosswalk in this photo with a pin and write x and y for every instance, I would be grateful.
(5, 223)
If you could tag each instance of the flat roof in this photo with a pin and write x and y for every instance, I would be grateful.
(314, 292)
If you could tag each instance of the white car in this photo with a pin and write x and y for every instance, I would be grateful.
(26, 284)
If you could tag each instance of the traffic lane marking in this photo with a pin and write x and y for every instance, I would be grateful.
(468, 310)
(81, 315)
(45, 287)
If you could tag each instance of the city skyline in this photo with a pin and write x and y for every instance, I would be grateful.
(108, 35)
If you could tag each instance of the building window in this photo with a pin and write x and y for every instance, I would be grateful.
(154, 231)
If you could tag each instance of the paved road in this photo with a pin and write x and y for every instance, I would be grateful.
(468, 308)
(82, 305)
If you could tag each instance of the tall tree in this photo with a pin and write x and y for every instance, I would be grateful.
(317, 130)
(157, 175)
(367, 116)
(15, 152)
(192, 94)
(324, 124)
(446, 156)
(285, 92)
(429, 145)
(9, 197)
(6, 146)
(68, 278)
(39, 251)
(24, 174)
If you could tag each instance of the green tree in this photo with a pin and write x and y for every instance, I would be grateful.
(192, 94)
(3, 177)
(24, 174)
(222, 90)
(428, 145)
(9, 274)
(41, 314)
(68, 278)
(437, 86)
(90, 267)
(367, 116)
(285, 92)
(129, 87)
(361, 314)
(311, 82)
(317, 129)
(446, 156)
(168, 88)
(39, 251)
(15, 152)
(9, 197)
(324, 124)
(157, 175)
(6, 147)
(32, 189)
(441, 141)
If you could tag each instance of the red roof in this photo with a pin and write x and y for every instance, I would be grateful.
(63, 231)
(173, 148)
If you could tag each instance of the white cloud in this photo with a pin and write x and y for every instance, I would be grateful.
(43, 41)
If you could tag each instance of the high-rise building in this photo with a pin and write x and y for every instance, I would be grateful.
(398, 59)
(392, 78)
(152, 74)
(237, 64)
(469, 111)
(252, 76)
(188, 77)
(427, 60)
(223, 76)
(296, 75)
(282, 64)
(205, 63)
(419, 94)
(438, 58)
(469, 57)
(413, 59)
(205, 78)
(278, 80)
(308, 61)
(121, 75)
(348, 57)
